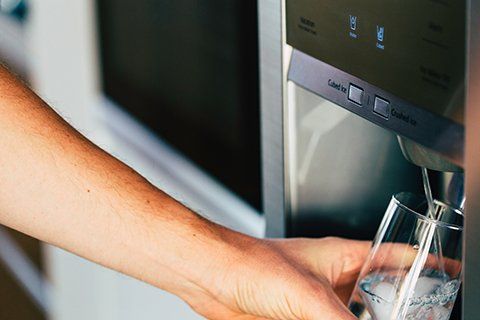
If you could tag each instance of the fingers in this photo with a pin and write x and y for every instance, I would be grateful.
(340, 260)
(337, 260)
(329, 307)
(328, 257)
(348, 258)
(283, 285)
(347, 261)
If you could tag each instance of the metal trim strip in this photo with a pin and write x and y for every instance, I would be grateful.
(432, 131)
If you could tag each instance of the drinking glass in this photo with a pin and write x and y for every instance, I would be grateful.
(415, 265)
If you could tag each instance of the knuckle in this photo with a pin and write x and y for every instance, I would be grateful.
(334, 240)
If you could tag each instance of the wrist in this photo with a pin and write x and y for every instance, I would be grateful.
(214, 251)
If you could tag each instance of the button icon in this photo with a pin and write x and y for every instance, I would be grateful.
(353, 26)
(353, 23)
(380, 33)
(380, 37)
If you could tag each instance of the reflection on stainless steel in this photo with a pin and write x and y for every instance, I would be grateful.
(347, 170)
(317, 125)
(271, 75)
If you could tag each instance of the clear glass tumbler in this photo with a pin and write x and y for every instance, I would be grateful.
(415, 265)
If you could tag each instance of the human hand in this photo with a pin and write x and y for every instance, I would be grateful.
(281, 279)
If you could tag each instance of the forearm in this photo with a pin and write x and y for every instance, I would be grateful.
(58, 187)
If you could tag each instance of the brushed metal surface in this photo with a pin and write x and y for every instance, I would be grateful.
(271, 88)
(432, 131)
(346, 168)
(471, 301)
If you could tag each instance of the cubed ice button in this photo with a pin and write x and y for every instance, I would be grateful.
(382, 107)
(355, 94)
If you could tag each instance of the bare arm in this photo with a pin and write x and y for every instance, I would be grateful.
(57, 186)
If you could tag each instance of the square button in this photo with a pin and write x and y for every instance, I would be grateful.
(355, 94)
(382, 107)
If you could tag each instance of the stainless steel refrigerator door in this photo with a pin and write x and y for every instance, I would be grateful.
(324, 198)
(275, 140)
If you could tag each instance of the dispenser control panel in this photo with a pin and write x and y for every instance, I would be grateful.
(400, 64)
(414, 49)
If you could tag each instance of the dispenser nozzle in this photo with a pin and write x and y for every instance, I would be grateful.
(426, 158)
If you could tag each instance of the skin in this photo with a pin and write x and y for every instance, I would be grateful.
(62, 189)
